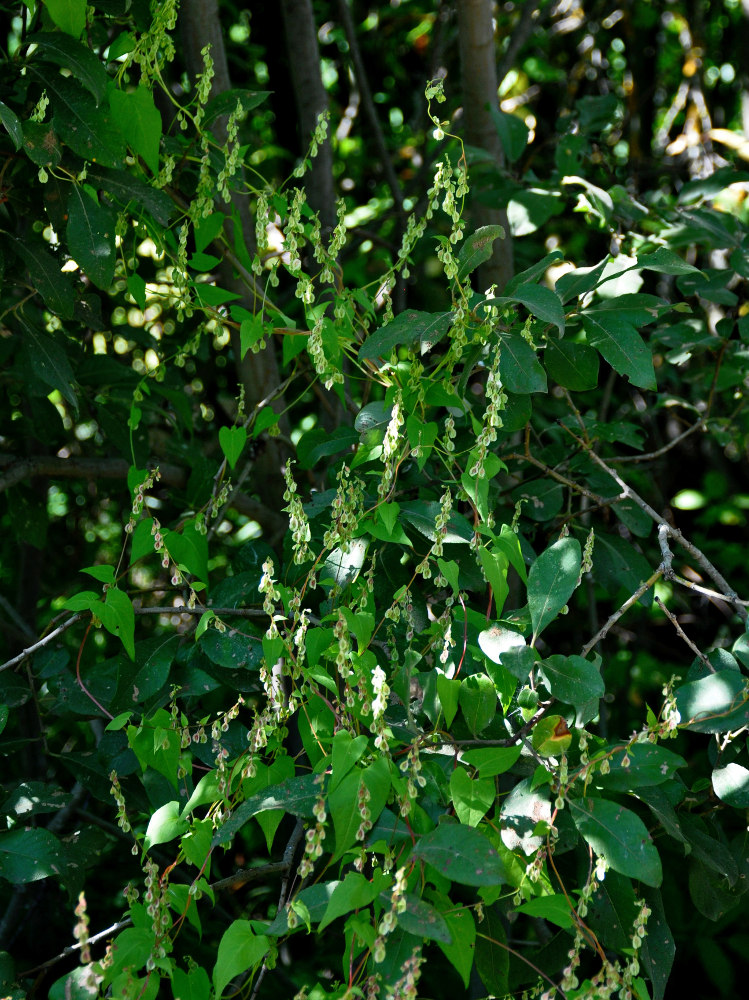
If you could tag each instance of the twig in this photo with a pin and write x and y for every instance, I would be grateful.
(700, 425)
(42, 642)
(238, 878)
(614, 618)
(730, 594)
(682, 635)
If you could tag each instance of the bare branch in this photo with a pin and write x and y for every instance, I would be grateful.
(614, 618)
(682, 635)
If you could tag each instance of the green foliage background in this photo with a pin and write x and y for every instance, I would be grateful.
(370, 629)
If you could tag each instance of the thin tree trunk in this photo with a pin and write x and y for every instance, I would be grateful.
(259, 373)
(311, 101)
(479, 83)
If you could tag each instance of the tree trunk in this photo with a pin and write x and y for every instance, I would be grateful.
(258, 373)
(479, 84)
(311, 101)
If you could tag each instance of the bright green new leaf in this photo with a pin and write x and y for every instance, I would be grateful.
(462, 854)
(448, 692)
(68, 15)
(353, 893)
(346, 752)
(493, 760)
(164, 825)
(554, 908)
(478, 702)
(139, 121)
(191, 985)
(620, 836)
(472, 797)
(240, 949)
(118, 617)
(232, 441)
(552, 581)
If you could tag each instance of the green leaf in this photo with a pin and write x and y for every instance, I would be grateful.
(405, 330)
(622, 346)
(620, 836)
(343, 802)
(104, 574)
(90, 235)
(496, 640)
(48, 361)
(572, 679)
(573, 366)
(462, 854)
(132, 193)
(44, 268)
(421, 919)
(522, 811)
(12, 124)
(665, 261)
(27, 855)
(297, 796)
(579, 282)
(232, 441)
(240, 949)
(519, 367)
(493, 760)
(164, 825)
(448, 692)
(492, 957)
(226, 102)
(555, 908)
(118, 617)
(189, 550)
(71, 55)
(552, 580)
(460, 953)
(346, 751)
(477, 249)
(354, 893)
(472, 797)
(193, 984)
(478, 702)
(139, 121)
(88, 130)
(717, 703)
(541, 301)
(550, 736)
(731, 784)
(642, 765)
(68, 15)
(422, 514)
